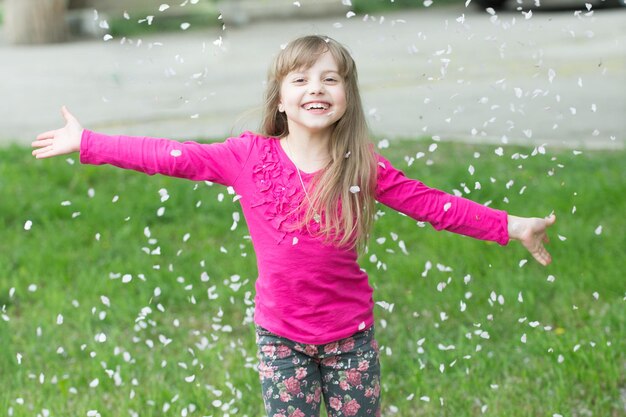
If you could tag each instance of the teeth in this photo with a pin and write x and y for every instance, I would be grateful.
(316, 106)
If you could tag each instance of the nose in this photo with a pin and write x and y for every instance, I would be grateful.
(316, 87)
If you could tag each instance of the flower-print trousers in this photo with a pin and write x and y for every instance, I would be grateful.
(295, 376)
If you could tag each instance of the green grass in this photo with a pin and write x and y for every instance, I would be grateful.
(574, 367)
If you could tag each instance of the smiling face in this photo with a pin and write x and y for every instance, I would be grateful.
(314, 98)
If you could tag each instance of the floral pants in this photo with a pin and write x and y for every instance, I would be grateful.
(295, 376)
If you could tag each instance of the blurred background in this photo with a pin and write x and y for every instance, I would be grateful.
(491, 71)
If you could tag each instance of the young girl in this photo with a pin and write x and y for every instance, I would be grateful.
(308, 185)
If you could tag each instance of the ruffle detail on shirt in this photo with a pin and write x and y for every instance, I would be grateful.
(277, 194)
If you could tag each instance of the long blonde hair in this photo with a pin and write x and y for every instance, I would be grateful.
(347, 216)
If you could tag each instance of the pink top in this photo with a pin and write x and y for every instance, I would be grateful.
(306, 291)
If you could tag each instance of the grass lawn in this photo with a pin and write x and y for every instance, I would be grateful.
(110, 303)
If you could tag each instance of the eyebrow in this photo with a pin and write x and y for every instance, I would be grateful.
(296, 70)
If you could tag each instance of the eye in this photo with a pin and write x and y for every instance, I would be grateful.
(298, 80)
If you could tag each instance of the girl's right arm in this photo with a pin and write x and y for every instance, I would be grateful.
(217, 162)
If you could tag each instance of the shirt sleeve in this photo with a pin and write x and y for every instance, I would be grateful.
(443, 211)
(217, 162)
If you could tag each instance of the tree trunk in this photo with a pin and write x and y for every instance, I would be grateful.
(35, 21)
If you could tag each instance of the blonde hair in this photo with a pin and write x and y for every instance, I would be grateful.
(347, 217)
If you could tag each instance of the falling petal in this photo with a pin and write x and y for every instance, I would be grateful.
(551, 74)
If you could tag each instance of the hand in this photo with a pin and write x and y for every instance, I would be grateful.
(531, 232)
(61, 141)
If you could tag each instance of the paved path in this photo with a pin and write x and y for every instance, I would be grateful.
(456, 73)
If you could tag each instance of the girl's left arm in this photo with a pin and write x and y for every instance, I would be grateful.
(459, 215)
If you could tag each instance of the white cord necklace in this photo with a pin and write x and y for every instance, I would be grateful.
(316, 216)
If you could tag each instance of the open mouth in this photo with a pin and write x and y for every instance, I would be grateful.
(318, 105)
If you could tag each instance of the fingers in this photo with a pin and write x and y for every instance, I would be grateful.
(46, 135)
(42, 142)
(543, 259)
(537, 250)
(67, 115)
(541, 255)
(46, 152)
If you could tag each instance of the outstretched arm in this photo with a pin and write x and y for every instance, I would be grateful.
(459, 215)
(531, 232)
(220, 162)
(60, 141)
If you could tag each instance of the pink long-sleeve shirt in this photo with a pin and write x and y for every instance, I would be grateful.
(306, 291)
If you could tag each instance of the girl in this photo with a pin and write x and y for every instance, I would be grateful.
(308, 185)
